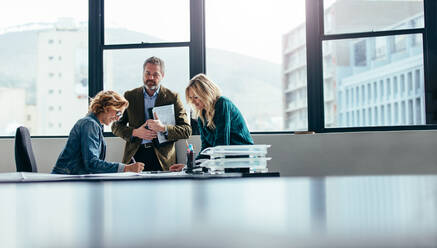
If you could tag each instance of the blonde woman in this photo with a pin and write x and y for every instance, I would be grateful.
(85, 150)
(219, 120)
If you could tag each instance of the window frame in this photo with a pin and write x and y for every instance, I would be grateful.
(314, 36)
(97, 46)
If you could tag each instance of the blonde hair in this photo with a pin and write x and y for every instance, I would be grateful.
(208, 93)
(105, 100)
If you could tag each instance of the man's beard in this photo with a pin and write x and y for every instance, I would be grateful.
(153, 87)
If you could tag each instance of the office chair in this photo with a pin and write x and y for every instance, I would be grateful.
(24, 158)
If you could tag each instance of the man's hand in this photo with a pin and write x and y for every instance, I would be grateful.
(176, 167)
(134, 167)
(144, 133)
(155, 124)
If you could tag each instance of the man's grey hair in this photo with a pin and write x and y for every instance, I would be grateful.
(155, 61)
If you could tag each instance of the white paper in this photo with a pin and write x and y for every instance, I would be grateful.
(32, 177)
(166, 116)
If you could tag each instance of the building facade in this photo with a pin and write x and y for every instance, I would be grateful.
(350, 65)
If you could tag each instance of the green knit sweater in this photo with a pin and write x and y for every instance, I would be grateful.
(230, 127)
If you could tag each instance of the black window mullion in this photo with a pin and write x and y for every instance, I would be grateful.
(430, 61)
(197, 37)
(95, 44)
(145, 45)
(314, 31)
(372, 34)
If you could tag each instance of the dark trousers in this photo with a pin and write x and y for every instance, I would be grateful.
(147, 156)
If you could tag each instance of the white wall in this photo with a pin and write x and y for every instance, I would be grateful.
(364, 153)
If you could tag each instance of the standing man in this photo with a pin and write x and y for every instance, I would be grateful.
(138, 127)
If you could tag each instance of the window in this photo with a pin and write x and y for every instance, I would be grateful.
(369, 93)
(370, 15)
(357, 93)
(376, 116)
(399, 43)
(417, 80)
(360, 53)
(250, 61)
(403, 113)
(147, 21)
(382, 116)
(418, 111)
(375, 91)
(382, 74)
(388, 87)
(123, 69)
(29, 40)
(389, 120)
(370, 117)
(363, 42)
(381, 55)
(410, 83)
(129, 42)
(381, 90)
(410, 112)
(380, 48)
(402, 84)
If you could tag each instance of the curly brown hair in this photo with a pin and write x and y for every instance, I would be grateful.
(105, 100)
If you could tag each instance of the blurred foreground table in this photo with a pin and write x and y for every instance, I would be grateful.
(375, 211)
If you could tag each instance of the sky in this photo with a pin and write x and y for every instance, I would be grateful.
(249, 27)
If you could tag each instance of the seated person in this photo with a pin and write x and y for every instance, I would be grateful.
(85, 150)
(219, 120)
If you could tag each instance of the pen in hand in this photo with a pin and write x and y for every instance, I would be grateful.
(134, 166)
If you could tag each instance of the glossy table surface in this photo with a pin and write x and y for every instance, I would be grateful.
(374, 211)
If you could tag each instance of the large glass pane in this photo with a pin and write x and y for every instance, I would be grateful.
(43, 65)
(352, 16)
(137, 21)
(360, 80)
(123, 69)
(256, 53)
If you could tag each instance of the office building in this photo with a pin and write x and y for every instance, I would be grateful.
(336, 57)
(385, 84)
(62, 81)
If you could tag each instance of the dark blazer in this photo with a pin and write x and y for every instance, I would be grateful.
(134, 117)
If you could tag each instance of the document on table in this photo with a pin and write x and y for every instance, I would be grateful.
(166, 116)
(105, 175)
(16, 177)
(31, 177)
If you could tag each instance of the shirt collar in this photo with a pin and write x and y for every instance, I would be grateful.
(154, 94)
(94, 117)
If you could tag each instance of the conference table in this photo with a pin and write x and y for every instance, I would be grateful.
(350, 211)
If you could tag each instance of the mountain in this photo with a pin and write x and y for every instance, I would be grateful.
(254, 85)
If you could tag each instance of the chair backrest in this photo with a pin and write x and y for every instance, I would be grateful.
(24, 158)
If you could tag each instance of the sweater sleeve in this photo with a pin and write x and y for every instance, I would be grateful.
(222, 121)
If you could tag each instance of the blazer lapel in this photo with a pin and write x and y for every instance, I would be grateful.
(162, 96)
(140, 101)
